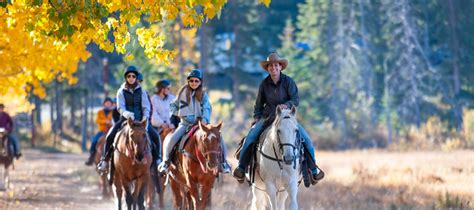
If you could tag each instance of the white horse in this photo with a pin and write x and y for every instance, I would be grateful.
(278, 163)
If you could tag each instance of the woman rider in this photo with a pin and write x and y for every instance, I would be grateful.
(191, 104)
(132, 103)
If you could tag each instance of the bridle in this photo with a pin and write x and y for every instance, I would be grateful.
(296, 149)
(130, 152)
(204, 151)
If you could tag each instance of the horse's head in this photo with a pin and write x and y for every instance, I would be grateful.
(286, 133)
(208, 139)
(138, 142)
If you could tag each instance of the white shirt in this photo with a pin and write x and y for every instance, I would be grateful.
(161, 110)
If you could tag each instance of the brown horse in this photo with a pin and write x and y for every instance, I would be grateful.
(132, 160)
(103, 183)
(150, 197)
(6, 156)
(196, 169)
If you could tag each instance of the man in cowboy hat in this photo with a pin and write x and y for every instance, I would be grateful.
(276, 89)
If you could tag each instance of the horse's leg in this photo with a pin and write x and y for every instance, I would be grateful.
(259, 199)
(141, 196)
(281, 198)
(177, 198)
(128, 196)
(161, 180)
(118, 191)
(150, 194)
(206, 193)
(7, 178)
(188, 199)
(293, 192)
(103, 186)
(271, 192)
(194, 194)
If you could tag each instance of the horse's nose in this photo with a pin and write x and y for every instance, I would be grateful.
(139, 157)
(211, 165)
(288, 159)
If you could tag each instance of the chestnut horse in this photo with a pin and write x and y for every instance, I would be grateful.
(6, 156)
(132, 160)
(193, 175)
(150, 197)
(104, 185)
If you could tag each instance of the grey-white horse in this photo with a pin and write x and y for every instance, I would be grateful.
(278, 164)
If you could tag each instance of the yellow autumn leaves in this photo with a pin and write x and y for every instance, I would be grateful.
(41, 42)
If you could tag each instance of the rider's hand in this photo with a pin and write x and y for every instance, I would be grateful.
(283, 106)
(164, 126)
(171, 126)
(128, 115)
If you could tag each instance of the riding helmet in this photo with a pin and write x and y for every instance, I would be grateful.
(163, 83)
(195, 73)
(131, 69)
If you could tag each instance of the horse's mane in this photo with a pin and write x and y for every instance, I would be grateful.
(285, 114)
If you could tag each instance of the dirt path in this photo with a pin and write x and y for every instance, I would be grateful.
(355, 179)
(52, 181)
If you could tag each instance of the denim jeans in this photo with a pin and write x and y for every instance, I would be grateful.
(95, 139)
(15, 143)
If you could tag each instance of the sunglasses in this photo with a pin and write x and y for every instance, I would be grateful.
(131, 76)
(194, 81)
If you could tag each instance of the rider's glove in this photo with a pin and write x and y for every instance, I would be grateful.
(128, 115)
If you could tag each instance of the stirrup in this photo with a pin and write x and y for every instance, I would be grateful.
(103, 166)
(239, 174)
(163, 167)
(315, 178)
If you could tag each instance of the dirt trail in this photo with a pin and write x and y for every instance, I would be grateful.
(355, 179)
(52, 181)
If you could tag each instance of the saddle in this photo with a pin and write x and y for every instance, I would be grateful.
(182, 143)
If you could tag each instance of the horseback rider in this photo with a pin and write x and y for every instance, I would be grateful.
(276, 89)
(6, 122)
(157, 144)
(191, 104)
(161, 102)
(104, 122)
(132, 103)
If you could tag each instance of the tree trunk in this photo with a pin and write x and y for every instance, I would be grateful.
(84, 123)
(203, 48)
(37, 110)
(180, 55)
(59, 106)
(235, 69)
(456, 82)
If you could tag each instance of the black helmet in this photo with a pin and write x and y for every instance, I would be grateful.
(131, 69)
(163, 83)
(108, 99)
(195, 73)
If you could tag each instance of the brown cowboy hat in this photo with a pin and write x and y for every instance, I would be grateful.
(274, 58)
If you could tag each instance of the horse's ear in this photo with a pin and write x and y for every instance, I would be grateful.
(130, 122)
(278, 110)
(143, 123)
(219, 125)
(293, 110)
(200, 125)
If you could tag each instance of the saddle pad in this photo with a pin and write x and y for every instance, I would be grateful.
(188, 135)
